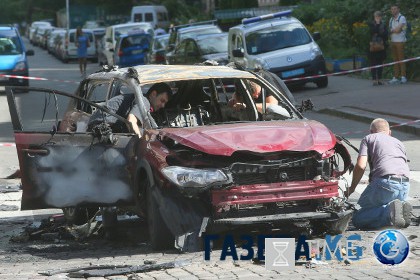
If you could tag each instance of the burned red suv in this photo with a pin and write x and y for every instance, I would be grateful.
(201, 165)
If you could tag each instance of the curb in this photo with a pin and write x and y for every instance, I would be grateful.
(363, 115)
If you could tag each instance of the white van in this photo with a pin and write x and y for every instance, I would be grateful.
(105, 55)
(69, 48)
(280, 44)
(156, 15)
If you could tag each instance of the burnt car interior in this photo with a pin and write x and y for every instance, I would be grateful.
(205, 102)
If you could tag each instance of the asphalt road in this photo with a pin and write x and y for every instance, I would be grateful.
(25, 254)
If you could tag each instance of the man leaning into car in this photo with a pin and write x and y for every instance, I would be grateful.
(125, 106)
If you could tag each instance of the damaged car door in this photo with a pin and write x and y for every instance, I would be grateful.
(63, 168)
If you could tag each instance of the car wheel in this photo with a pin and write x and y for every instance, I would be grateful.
(322, 82)
(79, 215)
(159, 234)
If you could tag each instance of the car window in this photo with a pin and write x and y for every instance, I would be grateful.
(161, 43)
(199, 31)
(276, 37)
(181, 48)
(8, 47)
(191, 48)
(98, 92)
(10, 43)
(148, 17)
(209, 45)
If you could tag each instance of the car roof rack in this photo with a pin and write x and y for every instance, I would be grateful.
(213, 21)
(268, 16)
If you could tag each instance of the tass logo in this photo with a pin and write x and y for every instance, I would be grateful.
(391, 247)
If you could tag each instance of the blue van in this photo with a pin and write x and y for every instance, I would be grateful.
(132, 49)
(13, 57)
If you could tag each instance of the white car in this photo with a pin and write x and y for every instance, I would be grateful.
(280, 44)
(111, 35)
(34, 26)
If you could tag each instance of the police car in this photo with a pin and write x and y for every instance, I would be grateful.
(280, 44)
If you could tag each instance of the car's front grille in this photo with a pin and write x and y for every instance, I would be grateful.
(284, 171)
(274, 176)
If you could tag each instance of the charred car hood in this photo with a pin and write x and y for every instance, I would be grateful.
(262, 137)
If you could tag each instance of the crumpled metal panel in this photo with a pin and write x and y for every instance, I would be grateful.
(262, 137)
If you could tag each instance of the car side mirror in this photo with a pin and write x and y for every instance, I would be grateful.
(316, 36)
(30, 52)
(238, 53)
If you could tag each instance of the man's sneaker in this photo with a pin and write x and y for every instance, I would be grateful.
(394, 81)
(403, 80)
(396, 213)
(407, 208)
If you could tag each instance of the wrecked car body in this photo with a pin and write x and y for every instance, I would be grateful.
(199, 167)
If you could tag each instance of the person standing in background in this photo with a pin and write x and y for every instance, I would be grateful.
(378, 33)
(82, 44)
(397, 25)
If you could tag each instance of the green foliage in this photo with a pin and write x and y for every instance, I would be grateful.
(344, 30)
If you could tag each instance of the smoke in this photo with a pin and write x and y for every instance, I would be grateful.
(71, 175)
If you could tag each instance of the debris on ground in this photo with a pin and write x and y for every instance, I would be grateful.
(55, 229)
(104, 272)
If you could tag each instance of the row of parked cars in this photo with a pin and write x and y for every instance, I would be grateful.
(60, 42)
(278, 43)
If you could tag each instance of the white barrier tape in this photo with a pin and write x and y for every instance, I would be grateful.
(23, 77)
(7, 145)
(367, 131)
(352, 71)
(36, 78)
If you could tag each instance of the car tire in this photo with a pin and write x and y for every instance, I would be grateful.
(322, 82)
(79, 215)
(160, 236)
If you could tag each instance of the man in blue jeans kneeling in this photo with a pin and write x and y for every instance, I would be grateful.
(383, 202)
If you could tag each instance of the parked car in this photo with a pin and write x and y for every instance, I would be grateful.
(132, 49)
(180, 32)
(42, 36)
(53, 39)
(199, 49)
(33, 27)
(68, 48)
(13, 57)
(105, 55)
(280, 44)
(200, 167)
(158, 49)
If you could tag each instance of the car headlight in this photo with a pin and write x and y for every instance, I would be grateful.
(315, 51)
(261, 64)
(20, 66)
(190, 177)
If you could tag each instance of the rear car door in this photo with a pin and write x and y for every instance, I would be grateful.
(67, 167)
